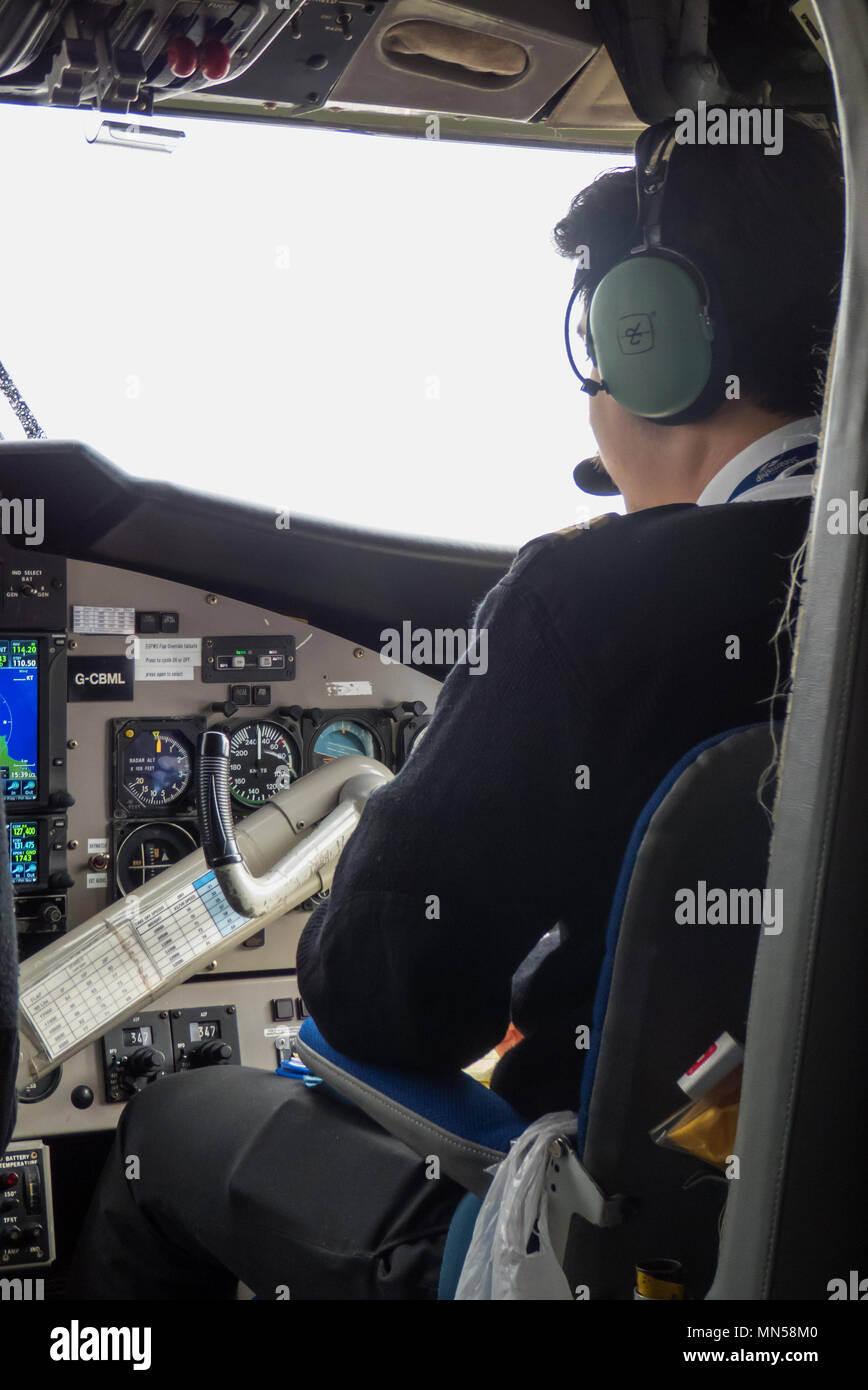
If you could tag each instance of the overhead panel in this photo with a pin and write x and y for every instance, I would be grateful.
(596, 100)
(482, 59)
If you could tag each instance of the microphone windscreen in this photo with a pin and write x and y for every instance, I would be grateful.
(591, 477)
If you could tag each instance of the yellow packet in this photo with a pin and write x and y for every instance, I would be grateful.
(706, 1126)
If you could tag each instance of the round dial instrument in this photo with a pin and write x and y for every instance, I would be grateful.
(35, 1091)
(417, 738)
(311, 904)
(341, 737)
(263, 761)
(156, 766)
(148, 850)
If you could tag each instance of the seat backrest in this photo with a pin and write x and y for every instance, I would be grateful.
(8, 993)
(666, 991)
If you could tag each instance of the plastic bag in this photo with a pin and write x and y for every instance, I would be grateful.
(497, 1265)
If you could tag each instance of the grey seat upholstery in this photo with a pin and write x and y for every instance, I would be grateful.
(666, 993)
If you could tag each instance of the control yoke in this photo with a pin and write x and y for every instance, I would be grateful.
(156, 937)
(301, 872)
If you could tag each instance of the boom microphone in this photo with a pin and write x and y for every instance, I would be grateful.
(591, 477)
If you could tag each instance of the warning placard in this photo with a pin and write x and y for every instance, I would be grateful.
(167, 658)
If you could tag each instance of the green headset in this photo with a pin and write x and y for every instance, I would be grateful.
(655, 330)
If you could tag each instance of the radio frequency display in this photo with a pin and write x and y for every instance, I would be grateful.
(23, 851)
(19, 713)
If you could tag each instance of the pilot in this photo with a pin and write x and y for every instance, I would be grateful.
(612, 649)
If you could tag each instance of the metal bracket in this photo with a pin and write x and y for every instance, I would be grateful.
(571, 1191)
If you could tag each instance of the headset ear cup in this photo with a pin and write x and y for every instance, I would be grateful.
(713, 395)
(659, 354)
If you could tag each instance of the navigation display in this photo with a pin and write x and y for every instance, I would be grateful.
(23, 851)
(19, 711)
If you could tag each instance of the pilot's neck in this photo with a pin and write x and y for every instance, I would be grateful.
(687, 457)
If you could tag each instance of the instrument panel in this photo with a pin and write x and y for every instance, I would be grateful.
(278, 689)
(107, 679)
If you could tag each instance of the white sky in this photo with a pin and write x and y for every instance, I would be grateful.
(362, 328)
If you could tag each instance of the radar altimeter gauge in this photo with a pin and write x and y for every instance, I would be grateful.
(154, 764)
(263, 760)
(156, 767)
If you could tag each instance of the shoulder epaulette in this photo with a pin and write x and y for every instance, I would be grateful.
(583, 526)
(550, 536)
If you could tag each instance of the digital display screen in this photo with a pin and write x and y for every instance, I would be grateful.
(138, 1037)
(203, 1032)
(23, 851)
(19, 718)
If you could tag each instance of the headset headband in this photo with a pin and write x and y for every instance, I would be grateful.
(651, 177)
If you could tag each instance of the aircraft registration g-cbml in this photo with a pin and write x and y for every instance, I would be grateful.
(197, 704)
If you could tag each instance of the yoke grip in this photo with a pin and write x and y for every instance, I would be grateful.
(216, 822)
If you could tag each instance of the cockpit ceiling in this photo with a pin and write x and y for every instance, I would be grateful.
(565, 72)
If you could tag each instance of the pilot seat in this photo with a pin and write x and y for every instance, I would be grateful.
(615, 1199)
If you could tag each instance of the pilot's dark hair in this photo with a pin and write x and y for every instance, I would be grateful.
(768, 228)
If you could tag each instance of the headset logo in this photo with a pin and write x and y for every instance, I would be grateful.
(635, 333)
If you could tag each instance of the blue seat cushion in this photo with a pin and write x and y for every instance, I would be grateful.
(453, 1102)
(457, 1245)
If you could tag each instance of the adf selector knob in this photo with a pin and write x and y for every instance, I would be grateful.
(147, 1061)
(211, 1054)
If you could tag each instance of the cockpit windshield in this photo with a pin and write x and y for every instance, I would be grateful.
(350, 328)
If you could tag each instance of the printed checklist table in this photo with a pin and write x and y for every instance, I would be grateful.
(225, 918)
(191, 921)
(79, 997)
(126, 961)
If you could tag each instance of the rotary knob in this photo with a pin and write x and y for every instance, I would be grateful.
(147, 1061)
(212, 1054)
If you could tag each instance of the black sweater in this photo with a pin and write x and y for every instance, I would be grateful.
(607, 648)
